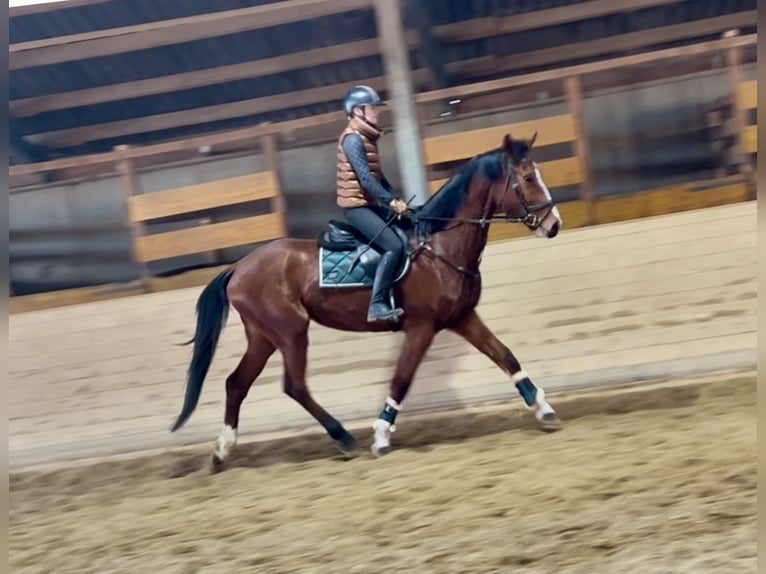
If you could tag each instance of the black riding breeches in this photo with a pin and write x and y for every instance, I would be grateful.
(372, 225)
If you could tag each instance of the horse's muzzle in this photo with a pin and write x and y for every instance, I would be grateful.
(550, 225)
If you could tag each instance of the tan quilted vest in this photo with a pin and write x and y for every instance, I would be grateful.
(349, 190)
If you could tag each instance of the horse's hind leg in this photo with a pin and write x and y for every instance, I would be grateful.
(294, 348)
(238, 383)
(473, 329)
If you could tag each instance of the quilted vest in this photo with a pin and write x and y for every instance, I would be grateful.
(349, 190)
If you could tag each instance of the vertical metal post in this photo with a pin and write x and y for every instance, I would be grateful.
(271, 155)
(736, 77)
(128, 170)
(573, 91)
(396, 61)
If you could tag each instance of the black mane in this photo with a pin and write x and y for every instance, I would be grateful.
(449, 198)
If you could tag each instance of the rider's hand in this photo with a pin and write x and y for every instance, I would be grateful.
(398, 206)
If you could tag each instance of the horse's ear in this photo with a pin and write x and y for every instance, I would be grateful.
(507, 143)
(531, 141)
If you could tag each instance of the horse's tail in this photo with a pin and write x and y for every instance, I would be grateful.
(212, 312)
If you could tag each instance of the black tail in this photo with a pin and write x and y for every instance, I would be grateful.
(212, 311)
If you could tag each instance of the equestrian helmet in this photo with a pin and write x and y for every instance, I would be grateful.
(360, 96)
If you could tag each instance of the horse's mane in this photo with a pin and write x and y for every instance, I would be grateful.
(451, 195)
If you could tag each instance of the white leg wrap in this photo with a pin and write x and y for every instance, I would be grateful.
(225, 442)
(383, 429)
(542, 407)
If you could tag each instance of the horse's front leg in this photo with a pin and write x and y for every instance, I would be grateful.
(416, 342)
(473, 329)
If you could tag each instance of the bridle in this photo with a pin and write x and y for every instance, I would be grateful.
(530, 218)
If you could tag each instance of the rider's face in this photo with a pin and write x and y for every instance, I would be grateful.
(371, 113)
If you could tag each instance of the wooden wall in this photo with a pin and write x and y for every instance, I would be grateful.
(662, 295)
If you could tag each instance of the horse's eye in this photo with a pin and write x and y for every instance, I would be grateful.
(529, 178)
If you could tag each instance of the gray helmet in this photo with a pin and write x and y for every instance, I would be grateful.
(360, 96)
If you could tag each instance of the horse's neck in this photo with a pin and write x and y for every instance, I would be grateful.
(464, 243)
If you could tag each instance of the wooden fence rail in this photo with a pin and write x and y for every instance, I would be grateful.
(204, 235)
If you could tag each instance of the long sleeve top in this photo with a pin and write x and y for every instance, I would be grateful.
(354, 148)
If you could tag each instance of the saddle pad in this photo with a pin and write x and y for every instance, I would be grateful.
(335, 269)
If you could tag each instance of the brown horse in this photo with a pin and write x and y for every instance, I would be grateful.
(283, 285)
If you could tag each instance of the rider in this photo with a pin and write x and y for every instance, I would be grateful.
(364, 192)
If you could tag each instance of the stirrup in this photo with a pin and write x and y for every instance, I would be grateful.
(390, 314)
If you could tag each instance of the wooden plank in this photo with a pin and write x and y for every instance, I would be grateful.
(557, 173)
(143, 124)
(589, 68)
(463, 145)
(249, 133)
(186, 80)
(665, 201)
(479, 28)
(175, 31)
(611, 44)
(203, 196)
(750, 139)
(209, 237)
(254, 132)
(747, 95)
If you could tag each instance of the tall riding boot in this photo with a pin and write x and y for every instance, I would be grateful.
(380, 308)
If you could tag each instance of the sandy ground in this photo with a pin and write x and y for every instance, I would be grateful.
(634, 488)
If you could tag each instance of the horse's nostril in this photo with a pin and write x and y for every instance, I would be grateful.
(554, 230)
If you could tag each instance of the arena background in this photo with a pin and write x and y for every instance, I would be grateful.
(639, 319)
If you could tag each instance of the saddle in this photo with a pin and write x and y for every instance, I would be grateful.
(342, 236)
(346, 259)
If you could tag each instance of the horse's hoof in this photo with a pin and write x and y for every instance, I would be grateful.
(550, 422)
(216, 465)
(379, 451)
(347, 448)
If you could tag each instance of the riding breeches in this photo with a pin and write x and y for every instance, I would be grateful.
(372, 225)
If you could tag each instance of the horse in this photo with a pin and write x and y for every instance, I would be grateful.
(283, 285)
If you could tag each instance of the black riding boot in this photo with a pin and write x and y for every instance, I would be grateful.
(380, 307)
